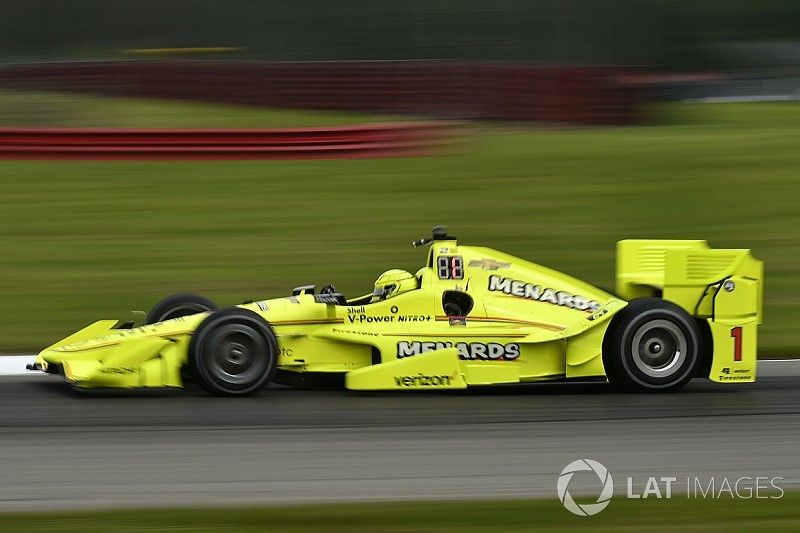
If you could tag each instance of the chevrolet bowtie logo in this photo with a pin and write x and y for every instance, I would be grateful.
(488, 264)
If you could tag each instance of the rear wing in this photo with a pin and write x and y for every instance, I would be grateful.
(723, 287)
(691, 274)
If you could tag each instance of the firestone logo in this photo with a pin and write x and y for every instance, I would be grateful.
(585, 465)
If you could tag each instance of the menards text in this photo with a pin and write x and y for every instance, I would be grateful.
(532, 291)
(466, 350)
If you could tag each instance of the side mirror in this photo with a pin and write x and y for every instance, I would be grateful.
(303, 289)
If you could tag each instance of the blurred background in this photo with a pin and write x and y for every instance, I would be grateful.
(572, 124)
(585, 121)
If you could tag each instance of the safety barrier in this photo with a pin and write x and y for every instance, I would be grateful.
(370, 140)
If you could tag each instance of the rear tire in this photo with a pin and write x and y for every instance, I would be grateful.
(233, 352)
(652, 345)
(179, 305)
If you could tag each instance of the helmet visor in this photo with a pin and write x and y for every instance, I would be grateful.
(384, 291)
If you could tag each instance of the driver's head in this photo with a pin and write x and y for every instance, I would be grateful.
(393, 282)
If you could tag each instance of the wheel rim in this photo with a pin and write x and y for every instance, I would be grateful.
(659, 348)
(182, 310)
(236, 354)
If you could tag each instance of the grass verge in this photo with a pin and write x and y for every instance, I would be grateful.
(530, 515)
(87, 240)
(59, 109)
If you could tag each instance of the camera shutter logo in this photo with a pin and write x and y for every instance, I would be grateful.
(585, 465)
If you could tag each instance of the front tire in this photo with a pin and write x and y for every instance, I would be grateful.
(179, 305)
(651, 345)
(233, 352)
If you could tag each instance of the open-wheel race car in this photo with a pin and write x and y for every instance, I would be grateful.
(470, 316)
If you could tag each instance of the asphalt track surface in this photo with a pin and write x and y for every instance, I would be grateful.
(61, 449)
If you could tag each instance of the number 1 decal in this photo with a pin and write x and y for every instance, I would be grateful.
(736, 333)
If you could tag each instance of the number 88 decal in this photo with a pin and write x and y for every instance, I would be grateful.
(450, 267)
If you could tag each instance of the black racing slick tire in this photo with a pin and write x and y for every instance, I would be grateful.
(233, 352)
(651, 345)
(179, 305)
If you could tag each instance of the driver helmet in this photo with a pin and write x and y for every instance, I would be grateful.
(393, 282)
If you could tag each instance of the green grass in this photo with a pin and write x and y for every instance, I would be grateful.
(622, 515)
(87, 240)
(19, 108)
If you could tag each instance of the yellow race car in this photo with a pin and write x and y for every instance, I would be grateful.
(470, 316)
